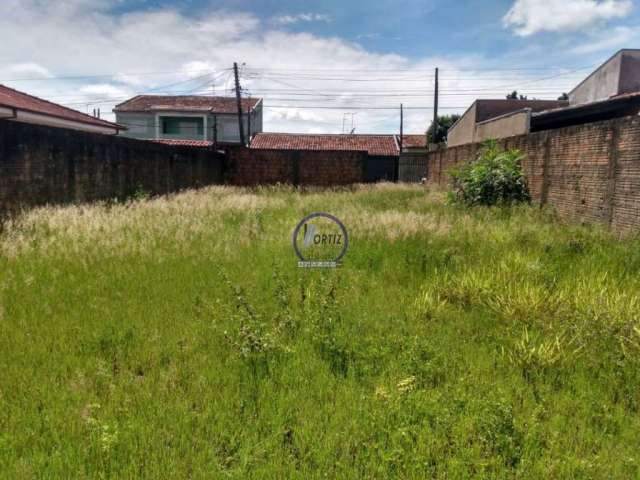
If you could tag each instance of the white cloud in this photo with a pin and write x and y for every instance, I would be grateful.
(104, 90)
(294, 115)
(29, 69)
(302, 17)
(196, 68)
(123, 55)
(527, 17)
(609, 39)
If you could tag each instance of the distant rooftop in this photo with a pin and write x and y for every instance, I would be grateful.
(185, 103)
(23, 101)
(375, 145)
(488, 108)
(414, 141)
(627, 104)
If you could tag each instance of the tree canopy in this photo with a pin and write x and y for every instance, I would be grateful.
(439, 134)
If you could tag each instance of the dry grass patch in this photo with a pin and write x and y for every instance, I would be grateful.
(132, 227)
(394, 225)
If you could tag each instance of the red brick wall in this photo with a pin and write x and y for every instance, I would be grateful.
(40, 165)
(323, 168)
(588, 173)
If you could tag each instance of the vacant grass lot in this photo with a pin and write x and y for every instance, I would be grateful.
(177, 338)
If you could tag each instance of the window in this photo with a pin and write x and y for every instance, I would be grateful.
(188, 127)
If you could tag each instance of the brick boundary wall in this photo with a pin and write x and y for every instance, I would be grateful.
(45, 165)
(246, 167)
(588, 173)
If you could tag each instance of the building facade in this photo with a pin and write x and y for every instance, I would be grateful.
(207, 120)
(499, 118)
(610, 91)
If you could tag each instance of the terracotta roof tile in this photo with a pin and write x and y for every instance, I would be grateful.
(185, 103)
(382, 145)
(414, 141)
(22, 101)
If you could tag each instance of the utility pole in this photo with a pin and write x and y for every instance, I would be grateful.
(435, 106)
(401, 127)
(239, 101)
(249, 124)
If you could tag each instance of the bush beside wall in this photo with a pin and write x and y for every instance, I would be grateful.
(589, 173)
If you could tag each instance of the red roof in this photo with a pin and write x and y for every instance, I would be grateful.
(382, 145)
(414, 141)
(185, 103)
(14, 99)
(185, 143)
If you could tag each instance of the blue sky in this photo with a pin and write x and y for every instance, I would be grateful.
(418, 28)
(344, 56)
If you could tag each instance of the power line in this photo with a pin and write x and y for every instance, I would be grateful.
(324, 99)
(153, 90)
(409, 69)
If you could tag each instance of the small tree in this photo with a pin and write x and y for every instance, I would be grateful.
(495, 178)
(564, 96)
(439, 134)
(515, 96)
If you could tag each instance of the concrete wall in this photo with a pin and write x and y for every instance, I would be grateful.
(600, 85)
(630, 72)
(463, 130)
(139, 125)
(256, 120)
(509, 125)
(466, 130)
(41, 165)
(589, 173)
(620, 74)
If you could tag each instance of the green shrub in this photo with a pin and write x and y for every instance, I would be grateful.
(494, 178)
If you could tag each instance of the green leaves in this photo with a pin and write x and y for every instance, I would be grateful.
(495, 178)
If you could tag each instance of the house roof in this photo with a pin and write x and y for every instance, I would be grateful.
(487, 109)
(375, 145)
(12, 98)
(618, 106)
(185, 103)
(414, 141)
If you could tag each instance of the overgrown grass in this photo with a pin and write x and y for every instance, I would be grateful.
(176, 338)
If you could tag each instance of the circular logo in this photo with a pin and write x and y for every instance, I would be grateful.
(320, 240)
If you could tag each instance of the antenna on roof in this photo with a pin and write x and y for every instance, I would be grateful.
(353, 124)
